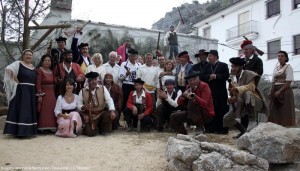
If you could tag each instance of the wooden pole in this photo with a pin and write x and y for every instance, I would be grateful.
(26, 33)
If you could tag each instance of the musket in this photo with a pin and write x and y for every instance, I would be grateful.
(260, 52)
(138, 128)
(180, 16)
(231, 94)
(90, 117)
(158, 39)
(77, 29)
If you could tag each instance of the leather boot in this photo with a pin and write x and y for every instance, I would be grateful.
(241, 128)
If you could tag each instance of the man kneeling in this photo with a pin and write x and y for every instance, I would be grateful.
(92, 103)
(246, 97)
(198, 101)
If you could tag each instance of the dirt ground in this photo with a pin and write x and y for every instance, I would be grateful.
(120, 150)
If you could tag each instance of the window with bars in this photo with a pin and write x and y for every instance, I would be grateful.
(297, 44)
(273, 48)
(273, 8)
(296, 4)
(206, 32)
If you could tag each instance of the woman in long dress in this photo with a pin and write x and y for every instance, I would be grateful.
(68, 119)
(282, 107)
(19, 81)
(46, 95)
(97, 66)
(116, 94)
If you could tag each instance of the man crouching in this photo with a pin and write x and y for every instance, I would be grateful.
(198, 101)
(92, 103)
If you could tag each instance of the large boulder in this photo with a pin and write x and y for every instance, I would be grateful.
(272, 142)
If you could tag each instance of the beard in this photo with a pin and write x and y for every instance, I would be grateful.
(69, 60)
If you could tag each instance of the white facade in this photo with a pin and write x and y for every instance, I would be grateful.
(249, 18)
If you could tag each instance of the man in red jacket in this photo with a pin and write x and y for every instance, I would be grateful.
(138, 107)
(198, 101)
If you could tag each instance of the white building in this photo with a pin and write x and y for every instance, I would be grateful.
(272, 25)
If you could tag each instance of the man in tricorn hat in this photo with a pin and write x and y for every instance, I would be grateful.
(245, 96)
(92, 103)
(138, 107)
(56, 52)
(198, 101)
(68, 69)
(81, 52)
(253, 62)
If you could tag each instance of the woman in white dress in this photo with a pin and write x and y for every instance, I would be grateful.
(97, 66)
(68, 119)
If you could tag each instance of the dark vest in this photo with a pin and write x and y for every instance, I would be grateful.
(173, 97)
(173, 39)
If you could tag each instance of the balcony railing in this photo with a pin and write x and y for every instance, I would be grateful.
(242, 30)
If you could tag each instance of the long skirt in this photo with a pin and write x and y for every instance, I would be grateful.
(66, 126)
(282, 112)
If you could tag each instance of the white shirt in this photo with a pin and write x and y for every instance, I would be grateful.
(109, 101)
(149, 75)
(169, 99)
(288, 72)
(133, 68)
(139, 100)
(113, 70)
(62, 104)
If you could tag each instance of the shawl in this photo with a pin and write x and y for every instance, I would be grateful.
(10, 77)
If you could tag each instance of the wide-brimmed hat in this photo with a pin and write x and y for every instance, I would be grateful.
(237, 61)
(214, 52)
(82, 45)
(138, 80)
(192, 74)
(60, 38)
(92, 75)
(133, 51)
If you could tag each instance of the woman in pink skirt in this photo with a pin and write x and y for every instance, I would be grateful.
(68, 119)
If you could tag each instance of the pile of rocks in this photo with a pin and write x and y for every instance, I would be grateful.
(266, 144)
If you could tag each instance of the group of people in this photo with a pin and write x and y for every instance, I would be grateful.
(70, 92)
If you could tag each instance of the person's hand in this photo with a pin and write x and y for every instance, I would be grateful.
(162, 94)
(232, 100)
(65, 116)
(127, 73)
(233, 91)
(87, 107)
(134, 110)
(212, 77)
(185, 94)
(276, 94)
(112, 115)
(79, 79)
(40, 99)
(141, 116)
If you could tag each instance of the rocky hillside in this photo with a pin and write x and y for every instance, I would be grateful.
(191, 13)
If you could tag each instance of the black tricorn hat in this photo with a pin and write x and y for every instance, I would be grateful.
(237, 61)
(92, 75)
(192, 74)
(133, 51)
(203, 51)
(82, 45)
(60, 38)
(66, 52)
(138, 80)
(197, 55)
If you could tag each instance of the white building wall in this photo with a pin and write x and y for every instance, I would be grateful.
(283, 26)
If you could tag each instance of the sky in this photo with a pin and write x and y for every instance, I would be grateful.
(133, 13)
